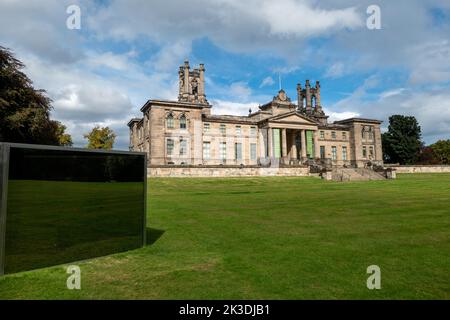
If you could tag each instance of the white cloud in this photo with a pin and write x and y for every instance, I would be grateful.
(391, 93)
(336, 116)
(301, 18)
(431, 108)
(267, 82)
(335, 71)
(170, 56)
(240, 90)
(109, 60)
(431, 62)
(233, 108)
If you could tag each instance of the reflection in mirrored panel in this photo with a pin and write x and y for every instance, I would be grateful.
(65, 205)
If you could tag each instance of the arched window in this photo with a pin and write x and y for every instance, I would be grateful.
(170, 122)
(363, 133)
(370, 133)
(183, 122)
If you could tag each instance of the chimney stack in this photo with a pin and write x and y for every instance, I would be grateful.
(308, 97)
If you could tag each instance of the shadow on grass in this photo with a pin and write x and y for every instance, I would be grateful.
(153, 235)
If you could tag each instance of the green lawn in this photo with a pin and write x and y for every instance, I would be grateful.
(273, 238)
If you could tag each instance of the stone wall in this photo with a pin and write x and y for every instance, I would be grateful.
(224, 171)
(420, 169)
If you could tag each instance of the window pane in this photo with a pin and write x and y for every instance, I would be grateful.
(170, 122)
(183, 147)
(253, 151)
(238, 147)
(170, 145)
(183, 122)
(322, 152)
(223, 150)
(333, 153)
(206, 150)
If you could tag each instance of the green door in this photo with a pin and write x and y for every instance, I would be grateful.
(310, 144)
(276, 143)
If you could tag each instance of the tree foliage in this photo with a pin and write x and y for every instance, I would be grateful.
(402, 143)
(64, 139)
(24, 110)
(441, 150)
(100, 138)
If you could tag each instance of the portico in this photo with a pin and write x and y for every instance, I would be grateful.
(291, 138)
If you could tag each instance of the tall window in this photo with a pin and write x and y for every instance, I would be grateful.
(223, 129)
(253, 131)
(170, 121)
(333, 134)
(363, 133)
(223, 150)
(183, 122)
(169, 146)
(183, 147)
(370, 133)
(344, 153)
(364, 152)
(371, 152)
(253, 151)
(206, 150)
(333, 153)
(238, 130)
(322, 152)
(344, 135)
(206, 127)
(322, 134)
(238, 151)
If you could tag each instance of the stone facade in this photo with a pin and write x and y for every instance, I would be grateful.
(280, 133)
(420, 168)
(227, 171)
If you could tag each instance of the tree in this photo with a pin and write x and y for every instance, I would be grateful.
(100, 138)
(64, 139)
(427, 156)
(402, 143)
(441, 150)
(24, 110)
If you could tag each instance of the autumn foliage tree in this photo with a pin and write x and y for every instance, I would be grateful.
(24, 110)
(100, 138)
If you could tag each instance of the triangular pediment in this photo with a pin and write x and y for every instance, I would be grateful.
(293, 117)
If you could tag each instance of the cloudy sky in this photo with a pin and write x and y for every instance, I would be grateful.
(127, 52)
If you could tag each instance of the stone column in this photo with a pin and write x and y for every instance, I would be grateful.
(283, 144)
(303, 139)
(294, 146)
(318, 94)
(270, 142)
(308, 96)
(201, 85)
(316, 145)
(186, 77)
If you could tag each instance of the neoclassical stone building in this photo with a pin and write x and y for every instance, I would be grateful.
(280, 133)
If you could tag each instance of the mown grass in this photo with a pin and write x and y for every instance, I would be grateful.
(272, 238)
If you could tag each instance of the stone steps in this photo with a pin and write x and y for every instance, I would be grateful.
(355, 174)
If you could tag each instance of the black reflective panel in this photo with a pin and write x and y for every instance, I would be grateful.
(65, 206)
